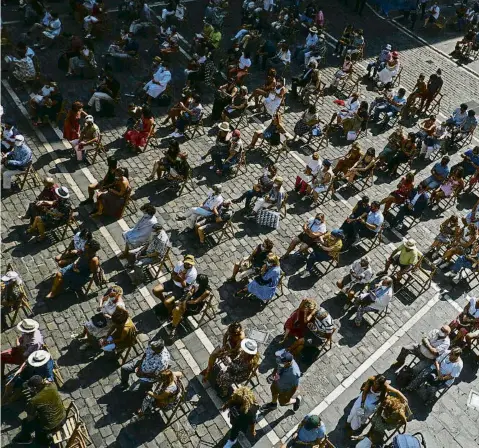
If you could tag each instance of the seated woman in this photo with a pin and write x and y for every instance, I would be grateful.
(297, 323)
(191, 304)
(308, 124)
(312, 169)
(223, 97)
(321, 182)
(230, 347)
(75, 248)
(189, 115)
(374, 391)
(395, 141)
(449, 231)
(349, 109)
(86, 59)
(345, 163)
(210, 224)
(272, 133)
(166, 396)
(342, 73)
(327, 248)
(47, 102)
(451, 186)
(179, 172)
(174, 113)
(237, 107)
(358, 121)
(233, 156)
(122, 333)
(264, 184)
(239, 369)
(112, 201)
(101, 323)
(137, 137)
(462, 244)
(406, 152)
(399, 196)
(312, 88)
(467, 322)
(74, 276)
(265, 89)
(275, 98)
(166, 162)
(263, 287)
(53, 213)
(362, 167)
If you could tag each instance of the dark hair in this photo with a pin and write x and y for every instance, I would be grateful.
(119, 316)
(446, 158)
(174, 144)
(402, 91)
(471, 113)
(146, 112)
(85, 233)
(375, 204)
(94, 246)
(55, 15)
(112, 162)
(381, 379)
(157, 345)
(148, 209)
(196, 98)
(203, 281)
(459, 172)
(123, 172)
(236, 326)
(365, 199)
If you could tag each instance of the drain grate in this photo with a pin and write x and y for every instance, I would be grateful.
(473, 399)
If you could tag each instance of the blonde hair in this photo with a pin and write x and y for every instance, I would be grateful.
(308, 304)
(245, 397)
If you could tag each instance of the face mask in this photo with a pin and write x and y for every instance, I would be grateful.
(442, 334)
(18, 143)
(384, 287)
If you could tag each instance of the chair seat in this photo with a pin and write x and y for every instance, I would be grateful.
(66, 431)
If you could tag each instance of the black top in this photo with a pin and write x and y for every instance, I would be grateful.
(109, 177)
(260, 256)
(241, 420)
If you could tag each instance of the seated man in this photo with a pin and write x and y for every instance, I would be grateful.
(458, 116)
(31, 338)
(313, 229)
(414, 206)
(89, 136)
(150, 252)
(191, 304)
(273, 199)
(126, 48)
(359, 276)
(318, 330)
(251, 265)
(365, 227)
(434, 12)
(326, 249)
(360, 210)
(470, 162)
(141, 232)
(281, 59)
(311, 432)
(406, 256)
(433, 345)
(15, 161)
(182, 279)
(391, 107)
(263, 185)
(209, 207)
(439, 173)
(47, 194)
(465, 129)
(442, 373)
(158, 84)
(189, 115)
(380, 61)
(107, 90)
(466, 323)
(108, 181)
(48, 30)
(155, 360)
(45, 412)
(374, 301)
(11, 294)
(235, 151)
(205, 226)
(305, 78)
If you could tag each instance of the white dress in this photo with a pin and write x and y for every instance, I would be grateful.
(355, 419)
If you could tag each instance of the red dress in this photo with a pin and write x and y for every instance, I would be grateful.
(402, 193)
(138, 137)
(71, 126)
(296, 324)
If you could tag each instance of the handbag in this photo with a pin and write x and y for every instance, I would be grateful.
(99, 320)
(268, 218)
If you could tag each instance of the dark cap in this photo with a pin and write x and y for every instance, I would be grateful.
(286, 357)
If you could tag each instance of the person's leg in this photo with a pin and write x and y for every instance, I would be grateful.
(316, 257)
(215, 354)
(256, 136)
(259, 204)
(56, 286)
(294, 242)
(7, 176)
(362, 310)
(177, 313)
(158, 291)
(126, 370)
(405, 351)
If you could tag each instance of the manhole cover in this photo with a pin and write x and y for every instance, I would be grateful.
(473, 399)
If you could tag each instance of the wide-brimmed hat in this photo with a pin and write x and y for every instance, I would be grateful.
(9, 276)
(313, 30)
(39, 358)
(278, 180)
(190, 259)
(410, 243)
(157, 59)
(224, 126)
(62, 192)
(28, 326)
(249, 346)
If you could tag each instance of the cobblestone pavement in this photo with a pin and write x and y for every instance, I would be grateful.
(328, 385)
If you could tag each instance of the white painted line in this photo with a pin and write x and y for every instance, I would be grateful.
(321, 407)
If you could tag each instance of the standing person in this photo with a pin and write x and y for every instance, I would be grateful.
(45, 412)
(242, 410)
(311, 432)
(285, 383)
(71, 126)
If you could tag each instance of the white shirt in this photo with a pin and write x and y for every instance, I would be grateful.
(473, 311)
(315, 225)
(285, 56)
(213, 201)
(382, 296)
(78, 242)
(315, 166)
(435, 11)
(191, 274)
(375, 218)
(162, 75)
(447, 367)
(360, 274)
(440, 344)
(244, 62)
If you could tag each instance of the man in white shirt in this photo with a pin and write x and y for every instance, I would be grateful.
(442, 373)
(158, 84)
(430, 348)
(375, 300)
(434, 13)
(182, 279)
(311, 40)
(209, 207)
(312, 230)
(360, 274)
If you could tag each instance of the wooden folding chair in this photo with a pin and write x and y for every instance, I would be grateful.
(71, 223)
(180, 405)
(329, 192)
(160, 263)
(73, 431)
(30, 175)
(99, 150)
(150, 138)
(226, 231)
(208, 307)
(125, 352)
(197, 126)
(23, 302)
(56, 370)
(98, 278)
(284, 208)
(129, 204)
(61, 112)
(241, 165)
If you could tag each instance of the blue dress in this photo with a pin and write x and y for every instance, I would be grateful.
(266, 291)
(75, 280)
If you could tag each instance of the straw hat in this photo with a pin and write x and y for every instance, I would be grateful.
(39, 358)
(249, 346)
(28, 326)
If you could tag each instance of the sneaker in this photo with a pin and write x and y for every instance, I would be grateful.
(347, 306)
(22, 439)
(268, 406)
(297, 403)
